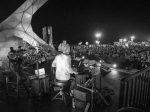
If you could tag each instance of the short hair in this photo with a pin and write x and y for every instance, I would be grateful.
(65, 48)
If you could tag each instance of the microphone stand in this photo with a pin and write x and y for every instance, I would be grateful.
(96, 91)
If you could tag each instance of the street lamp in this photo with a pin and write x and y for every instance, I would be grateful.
(98, 35)
(132, 38)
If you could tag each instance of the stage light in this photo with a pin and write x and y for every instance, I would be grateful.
(114, 65)
(83, 57)
(101, 61)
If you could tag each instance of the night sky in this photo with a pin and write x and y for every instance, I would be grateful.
(78, 20)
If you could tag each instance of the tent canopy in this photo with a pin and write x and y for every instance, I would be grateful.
(19, 23)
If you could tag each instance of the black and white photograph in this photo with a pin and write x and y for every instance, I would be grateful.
(74, 56)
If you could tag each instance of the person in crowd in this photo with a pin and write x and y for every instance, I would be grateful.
(118, 53)
(62, 45)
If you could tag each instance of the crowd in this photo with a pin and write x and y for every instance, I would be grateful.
(29, 56)
(135, 56)
(131, 56)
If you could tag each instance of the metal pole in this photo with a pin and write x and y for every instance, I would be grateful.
(38, 75)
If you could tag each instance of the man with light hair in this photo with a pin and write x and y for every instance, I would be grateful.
(62, 63)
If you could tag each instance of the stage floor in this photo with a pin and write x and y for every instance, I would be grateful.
(44, 104)
(33, 104)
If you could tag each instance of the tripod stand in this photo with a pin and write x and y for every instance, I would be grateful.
(96, 92)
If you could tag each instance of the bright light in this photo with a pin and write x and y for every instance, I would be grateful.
(80, 43)
(101, 61)
(120, 40)
(98, 35)
(87, 43)
(132, 37)
(83, 57)
(114, 65)
(127, 45)
(97, 42)
(124, 39)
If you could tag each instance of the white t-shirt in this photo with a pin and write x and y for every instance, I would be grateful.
(62, 63)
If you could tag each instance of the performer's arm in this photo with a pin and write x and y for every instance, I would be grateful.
(53, 66)
(54, 62)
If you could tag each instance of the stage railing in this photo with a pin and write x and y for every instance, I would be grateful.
(135, 90)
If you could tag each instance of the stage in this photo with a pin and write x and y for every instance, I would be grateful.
(110, 80)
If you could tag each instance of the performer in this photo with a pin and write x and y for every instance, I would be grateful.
(62, 62)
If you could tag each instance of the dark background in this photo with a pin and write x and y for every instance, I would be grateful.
(78, 20)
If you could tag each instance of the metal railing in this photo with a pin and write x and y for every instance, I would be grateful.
(135, 90)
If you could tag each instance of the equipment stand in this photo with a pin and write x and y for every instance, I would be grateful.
(38, 75)
(95, 91)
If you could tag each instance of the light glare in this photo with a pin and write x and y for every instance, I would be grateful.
(98, 35)
(132, 37)
(124, 39)
(114, 65)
